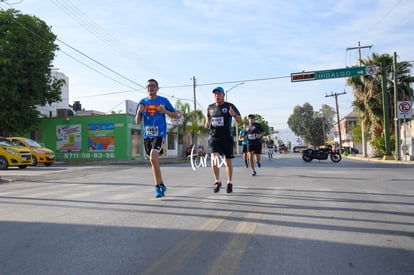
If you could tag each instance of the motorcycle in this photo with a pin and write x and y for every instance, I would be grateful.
(322, 153)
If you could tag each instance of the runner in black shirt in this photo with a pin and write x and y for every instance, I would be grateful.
(218, 120)
(254, 133)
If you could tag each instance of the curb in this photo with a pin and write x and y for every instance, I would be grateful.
(380, 160)
(121, 162)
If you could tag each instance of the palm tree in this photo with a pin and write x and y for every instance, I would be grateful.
(196, 127)
(193, 121)
(368, 92)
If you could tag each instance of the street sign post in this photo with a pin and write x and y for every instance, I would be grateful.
(295, 77)
(179, 120)
(334, 73)
(404, 109)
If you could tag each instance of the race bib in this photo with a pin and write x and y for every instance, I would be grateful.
(217, 121)
(151, 131)
(251, 136)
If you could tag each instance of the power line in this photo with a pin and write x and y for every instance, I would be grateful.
(228, 82)
(100, 33)
(106, 37)
(89, 25)
(99, 63)
(95, 70)
(14, 3)
(83, 54)
(386, 14)
(109, 93)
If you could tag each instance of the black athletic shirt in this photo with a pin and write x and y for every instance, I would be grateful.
(251, 131)
(220, 119)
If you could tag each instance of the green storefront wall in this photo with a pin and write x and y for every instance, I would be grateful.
(92, 138)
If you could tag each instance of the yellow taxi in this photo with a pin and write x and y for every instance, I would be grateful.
(12, 155)
(39, 153)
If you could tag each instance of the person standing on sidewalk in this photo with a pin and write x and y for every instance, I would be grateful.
(254, 133)
(153, 110)
(219, 119)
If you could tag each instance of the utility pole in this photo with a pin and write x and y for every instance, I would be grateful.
(359, 47)
(337, 117)
(235, 124)
(385, 111)
(194, 93)
(396, 120)
(363, 130)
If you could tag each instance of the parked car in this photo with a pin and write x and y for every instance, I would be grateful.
(12, 155)
(39, 153)
(299, 148)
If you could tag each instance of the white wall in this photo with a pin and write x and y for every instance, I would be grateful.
(45, 110)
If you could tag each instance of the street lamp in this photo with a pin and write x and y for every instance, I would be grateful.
(238, 84)
(235, 124)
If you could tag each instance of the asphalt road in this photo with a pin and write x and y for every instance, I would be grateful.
(353, 217)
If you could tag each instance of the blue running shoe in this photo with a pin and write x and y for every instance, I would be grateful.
(158, 192)
(259, 164)
(253, 173)
(163, 189)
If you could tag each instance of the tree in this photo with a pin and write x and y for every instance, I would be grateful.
(357, 132)
(197, 124)
(327, 113)
(312, 126)
(259, 119)
(368, 92)
(298, 122)
(27, 50)
(193, 121)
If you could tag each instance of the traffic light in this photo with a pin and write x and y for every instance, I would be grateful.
(304, 76)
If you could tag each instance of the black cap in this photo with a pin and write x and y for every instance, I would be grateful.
(251, 116)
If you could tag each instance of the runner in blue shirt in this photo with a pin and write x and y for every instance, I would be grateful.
(152, 111)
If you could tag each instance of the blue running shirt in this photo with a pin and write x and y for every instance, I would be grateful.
(155, 123)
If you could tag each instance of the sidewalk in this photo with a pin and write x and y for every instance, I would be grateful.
(162, 160)
(378, 159)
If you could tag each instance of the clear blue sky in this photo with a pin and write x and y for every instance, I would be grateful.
(220, 43)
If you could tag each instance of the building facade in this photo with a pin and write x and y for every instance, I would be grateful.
(94, 138)
(347, 124)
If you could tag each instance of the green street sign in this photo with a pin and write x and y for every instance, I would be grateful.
(334, 73)
(345, 72)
